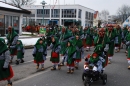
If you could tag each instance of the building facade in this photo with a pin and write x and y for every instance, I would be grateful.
(126, 22)
(59, 13)
(11, 16)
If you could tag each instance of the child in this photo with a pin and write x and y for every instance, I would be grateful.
(95, 60)
(77, 42)
(40, 53)
(55, 46)
(20, 51)
(70, 54)
(6, 72)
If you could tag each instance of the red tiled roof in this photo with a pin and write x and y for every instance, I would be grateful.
(95, 14)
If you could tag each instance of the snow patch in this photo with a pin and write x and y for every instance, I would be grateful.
(8, 6)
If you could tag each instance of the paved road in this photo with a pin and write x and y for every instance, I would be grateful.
(28, 56)
(118, 75)
(27, 75)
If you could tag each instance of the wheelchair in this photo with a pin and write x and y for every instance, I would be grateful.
(89, 76)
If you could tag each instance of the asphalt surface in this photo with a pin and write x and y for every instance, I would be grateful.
(27, 75)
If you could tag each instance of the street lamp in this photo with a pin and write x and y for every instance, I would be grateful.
(43, 4)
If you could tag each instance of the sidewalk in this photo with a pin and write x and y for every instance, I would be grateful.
(27, 41)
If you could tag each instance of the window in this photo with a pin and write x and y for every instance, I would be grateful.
(46, 12)
(69, 13)
(80, 13)
(86, 15)
(89, 16)
(16, 22)
(55, 13)
(92, 16)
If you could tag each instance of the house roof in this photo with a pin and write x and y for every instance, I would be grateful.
(95, 14)
(7, 7)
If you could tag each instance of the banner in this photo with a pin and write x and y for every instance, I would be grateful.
(42, 31)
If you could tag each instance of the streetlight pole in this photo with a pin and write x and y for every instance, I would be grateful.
(43, 4)
(43, 16)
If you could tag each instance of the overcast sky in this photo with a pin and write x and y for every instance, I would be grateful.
(110, 5)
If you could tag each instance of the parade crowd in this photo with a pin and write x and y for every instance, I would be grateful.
(69, 44)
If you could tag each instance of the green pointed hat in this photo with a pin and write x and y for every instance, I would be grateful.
(98, 48)
(3, 46)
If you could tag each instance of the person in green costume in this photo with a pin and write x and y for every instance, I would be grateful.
(20, 51)
(12, 38)
(119, 34)
(73, 32)
(55, 31)
(111, 34)
(55, 59)
(65, 36)
(77, 42)
(124, 34)
(127, 38)
(89, 38)
(79, 31)
(1, 39)
(49, 34)
(40, 53)
(125, 31)
(102, 39)
(95, 60)
(70, 55)
(6, 72)
(84, 39)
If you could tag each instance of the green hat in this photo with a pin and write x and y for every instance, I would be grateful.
(98, 48)
(11, 35)
(21, 44)
(38, 45)
(1, 39)
(3, 46)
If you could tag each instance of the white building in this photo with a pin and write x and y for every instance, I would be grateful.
(126, 22)
(60, 13)
(11, 16)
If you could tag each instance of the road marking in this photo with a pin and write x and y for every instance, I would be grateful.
(29, 77)
(30, 61)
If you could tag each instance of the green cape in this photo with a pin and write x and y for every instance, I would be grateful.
(56, 43)
(20, 45)
(93, 60)
(77, 43)
(71, 49)
(38, 45)
(98, 49)
(3, 46)
(11, 35)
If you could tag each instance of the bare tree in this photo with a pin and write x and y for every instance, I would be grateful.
(103, 15)
(123, 12)
(19, 3)
(125, 9)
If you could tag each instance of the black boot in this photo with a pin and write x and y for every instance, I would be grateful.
(22, 61)
(17, 62)
(69, 71)
(37, 67)
(53, 68)
(72, 71)
(9, 84)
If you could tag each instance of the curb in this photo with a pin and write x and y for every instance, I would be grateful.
(29, 47)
